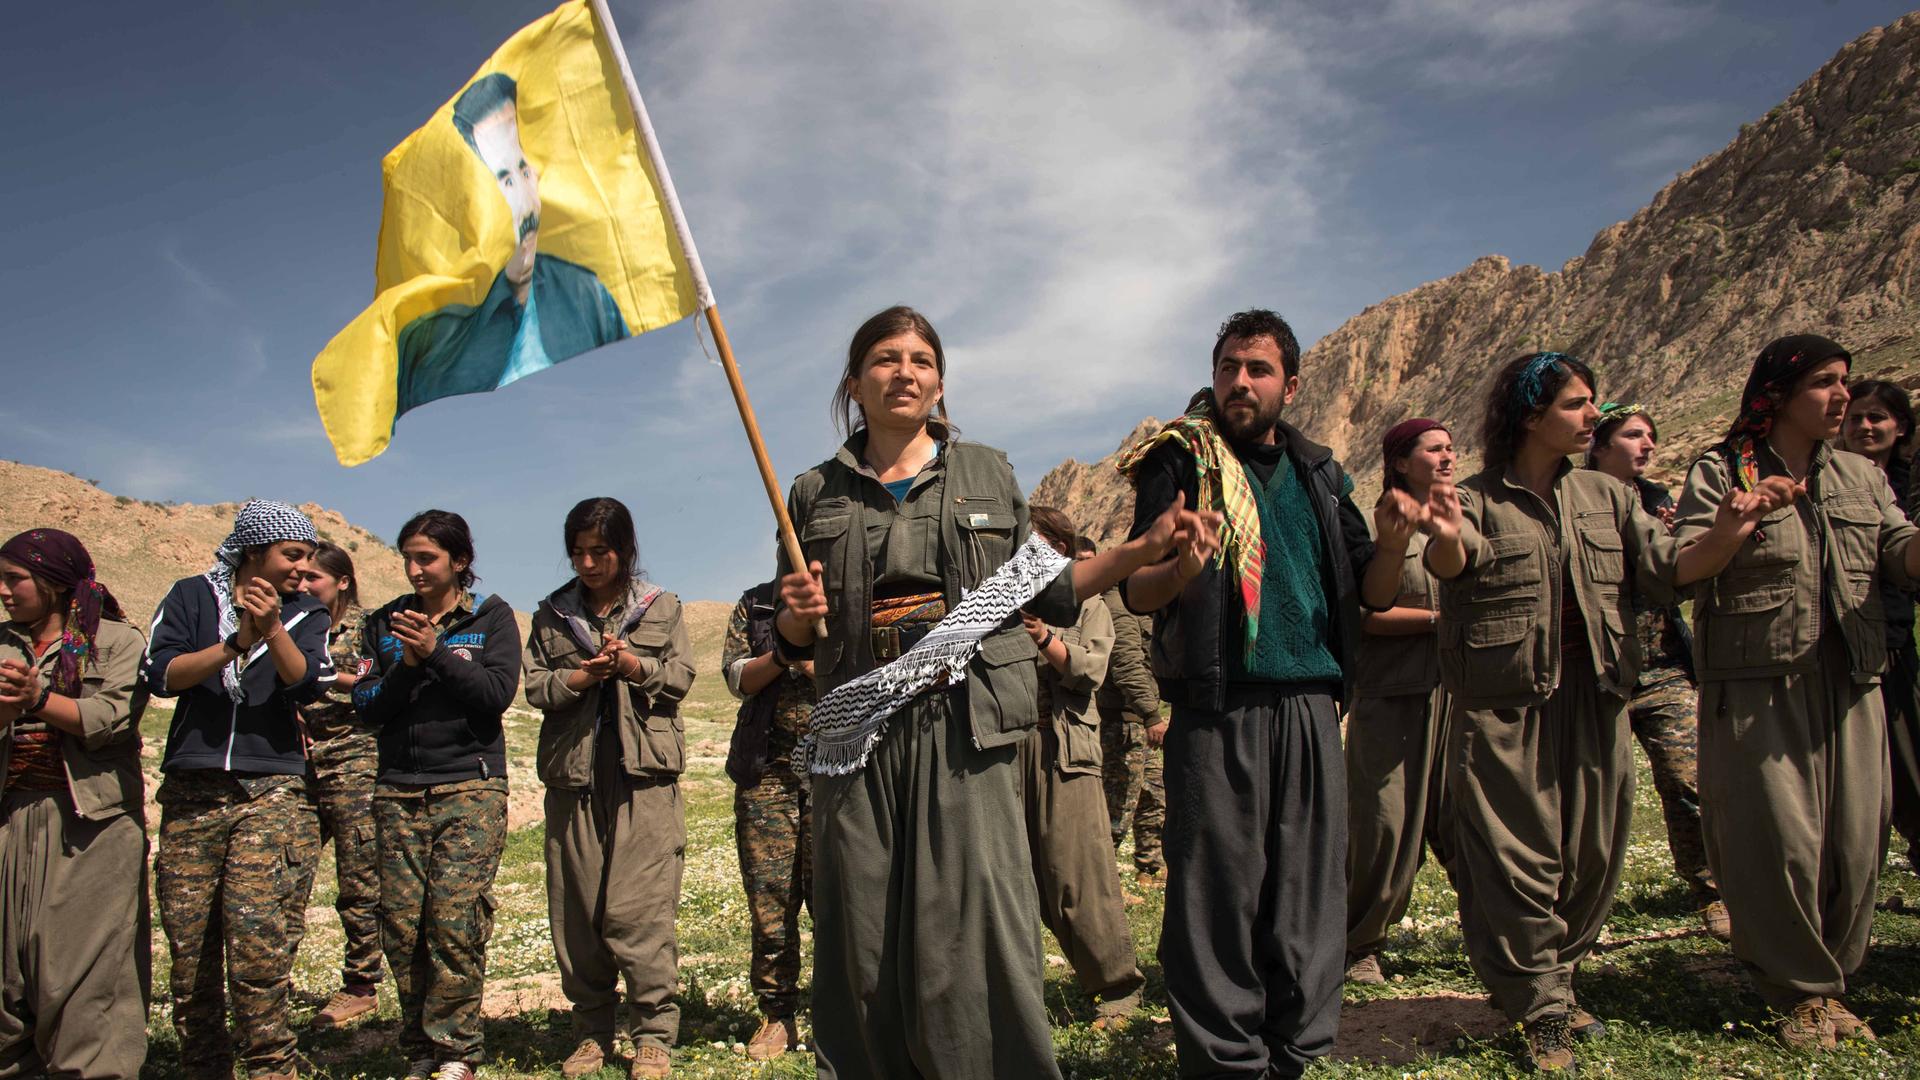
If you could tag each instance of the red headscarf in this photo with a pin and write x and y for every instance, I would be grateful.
(1400, 439)
(61, 560)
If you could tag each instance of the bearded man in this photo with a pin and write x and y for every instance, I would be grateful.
(1252, 652)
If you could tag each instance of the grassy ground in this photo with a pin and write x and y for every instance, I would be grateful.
(1676, 1002)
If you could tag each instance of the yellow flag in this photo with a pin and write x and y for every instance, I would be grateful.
(523, 225)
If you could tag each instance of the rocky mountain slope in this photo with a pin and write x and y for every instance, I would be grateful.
(1808, 221)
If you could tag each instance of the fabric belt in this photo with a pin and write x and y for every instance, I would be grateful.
(892, 642)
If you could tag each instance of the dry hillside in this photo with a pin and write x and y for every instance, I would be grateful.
(141, 548)
(1808, 221)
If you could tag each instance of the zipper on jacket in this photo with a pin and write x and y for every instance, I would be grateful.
(233, 730)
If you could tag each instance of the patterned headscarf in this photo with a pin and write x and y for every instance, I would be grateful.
(258, 523)
(1223, 486)
(1399, 441)
(61, 560)
(1775, 371)
(1612, 415)
(1530, 389)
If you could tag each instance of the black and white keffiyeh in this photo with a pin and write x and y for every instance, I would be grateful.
(260, 521)
(852, 718)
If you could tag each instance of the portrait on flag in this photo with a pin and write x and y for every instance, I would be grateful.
(521, 227)
(541, 308)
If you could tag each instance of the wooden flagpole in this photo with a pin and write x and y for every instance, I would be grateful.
(704, 295)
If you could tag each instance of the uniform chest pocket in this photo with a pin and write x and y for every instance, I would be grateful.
(824, 534)
(1511, 568)
(1853, 521)
(1603, 550)
(986, 526)
(562, 651)
(1779, 538)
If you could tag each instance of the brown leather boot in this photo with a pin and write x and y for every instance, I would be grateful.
(650, 1060)
(776, 1036)
(1718, 923)
(588, 1057)
(1550, 1045)
(1365, 970)
(1808, 1026)
(344, 1006)
(1845, 1024)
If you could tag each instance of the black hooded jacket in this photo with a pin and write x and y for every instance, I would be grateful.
(441, 721)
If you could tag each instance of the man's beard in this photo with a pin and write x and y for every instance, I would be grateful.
(1253, 428)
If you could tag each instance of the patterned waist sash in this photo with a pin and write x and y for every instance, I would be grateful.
(852, 718)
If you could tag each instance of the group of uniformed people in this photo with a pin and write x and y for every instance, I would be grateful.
(1492, 648)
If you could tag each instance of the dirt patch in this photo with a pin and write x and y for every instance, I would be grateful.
(1397, 1031)
(529, 993)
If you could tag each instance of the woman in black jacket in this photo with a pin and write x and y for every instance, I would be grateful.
(241, 649)
(446, 663)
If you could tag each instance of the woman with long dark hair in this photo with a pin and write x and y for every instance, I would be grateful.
(1397, 723)
(343, 757)
(1790, 639)
(1880, 427)
(926, 959)
(445, 665)
(1539, 562)
(73, 838)
(607, 663)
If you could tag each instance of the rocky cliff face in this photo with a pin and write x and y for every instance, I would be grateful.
(1808, 221)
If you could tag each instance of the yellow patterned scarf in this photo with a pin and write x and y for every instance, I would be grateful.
(1223, 486)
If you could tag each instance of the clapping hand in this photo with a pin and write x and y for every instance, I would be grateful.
(19, 688)
(416, 634)
(612, 660)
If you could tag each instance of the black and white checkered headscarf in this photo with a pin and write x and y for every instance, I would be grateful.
(260, 521)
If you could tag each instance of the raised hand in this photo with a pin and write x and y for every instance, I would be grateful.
(1444, 516)
(1397, 516)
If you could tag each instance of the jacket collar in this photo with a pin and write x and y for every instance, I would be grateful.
(1508, 477)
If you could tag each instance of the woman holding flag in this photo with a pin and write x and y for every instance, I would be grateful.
(926, 962)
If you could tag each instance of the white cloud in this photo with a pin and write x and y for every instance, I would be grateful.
(1061, 187)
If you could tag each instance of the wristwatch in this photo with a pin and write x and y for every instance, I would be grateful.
(233, 642)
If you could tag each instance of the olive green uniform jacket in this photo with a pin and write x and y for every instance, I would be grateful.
(927, 958)
(74, 992)
(611, 757)
(1539, 762)
(1794, 782)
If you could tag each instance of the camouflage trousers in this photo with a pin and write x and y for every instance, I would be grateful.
(1661, 715)
(439, 850)
(773, 826)
(340, 785)
(227, 870)
(1136, 790)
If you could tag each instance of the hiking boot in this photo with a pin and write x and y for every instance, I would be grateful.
(776, 1036)
(1718, 923)
(1845, 1024)
(1585, 1025)
(453, 1070)
(1149, 879)
(650, 1059)
(1550, 1045)
(422, 1069)
(343, 1006)
(1113, 1015)
(1366, 970)
(1808, 1026)
(588, 1057)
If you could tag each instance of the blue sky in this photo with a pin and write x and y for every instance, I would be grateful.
(1076, 193)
